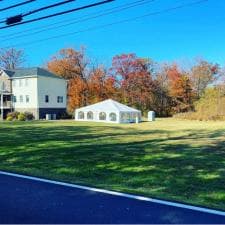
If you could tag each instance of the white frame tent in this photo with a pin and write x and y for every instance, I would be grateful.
(108, 111)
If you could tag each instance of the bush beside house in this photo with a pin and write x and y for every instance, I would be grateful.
(26, 116)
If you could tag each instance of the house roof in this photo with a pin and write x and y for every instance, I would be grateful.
(108, 106)
(30, 72)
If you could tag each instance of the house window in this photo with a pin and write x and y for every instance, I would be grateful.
(14, 83)
(21, 98)
(46, 98)
(26, 82)
(14, 98)
(20, 82)
(60, 99)
(27, 98)
(2, 86)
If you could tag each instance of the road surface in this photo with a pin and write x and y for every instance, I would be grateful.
(30, 201)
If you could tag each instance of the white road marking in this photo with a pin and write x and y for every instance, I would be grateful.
(141, 198)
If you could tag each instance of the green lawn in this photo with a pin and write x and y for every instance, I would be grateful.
(169, 159)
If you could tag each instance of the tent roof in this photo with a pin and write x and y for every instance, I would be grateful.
(108, 106)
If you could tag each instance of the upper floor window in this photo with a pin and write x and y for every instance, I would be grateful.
(14, 83)
(60, 99)
(21, 98)
(46, 98)
(20, 82)
(26, 82)
(2, 86)
(14, 98)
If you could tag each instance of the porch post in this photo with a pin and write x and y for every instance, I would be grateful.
(11, 102)
(1, 105)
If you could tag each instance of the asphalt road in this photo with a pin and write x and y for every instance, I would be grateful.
(26, 201)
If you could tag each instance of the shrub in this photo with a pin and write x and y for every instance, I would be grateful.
(14, 115)
(65, 115)
(29, 116)
(9, 118)
(21, 117)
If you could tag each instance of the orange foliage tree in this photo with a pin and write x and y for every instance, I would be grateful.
(77, 93)
(101, 85)
(72, 65)
(179, 89)
(86, 85)
(69, 63)
(135, 80)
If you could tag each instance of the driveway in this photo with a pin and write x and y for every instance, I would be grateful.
(24, 200)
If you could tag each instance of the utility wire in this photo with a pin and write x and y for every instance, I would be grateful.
(19, 17)
(167, 10)
(47, 7)
(58, 14)
(16, 5)
(76, 19)
(118, 9)
(39, 9)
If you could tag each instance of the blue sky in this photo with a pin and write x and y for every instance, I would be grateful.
(178, 35)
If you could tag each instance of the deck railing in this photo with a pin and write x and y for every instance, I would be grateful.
(6, 104)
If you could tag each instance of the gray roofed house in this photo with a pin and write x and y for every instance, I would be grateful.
(35, 90)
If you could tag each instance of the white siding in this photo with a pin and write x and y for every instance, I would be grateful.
(52, 87)
(21, 88)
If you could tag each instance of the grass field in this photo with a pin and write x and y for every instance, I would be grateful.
(169, 159)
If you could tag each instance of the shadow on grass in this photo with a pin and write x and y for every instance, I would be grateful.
(163, 164)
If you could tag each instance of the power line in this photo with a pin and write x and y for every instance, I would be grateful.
(47, 7)
(111, 11)
(18, 18)
(58, 14)
(139, 2)
(167, 10)
(16, 5)
(22, 15)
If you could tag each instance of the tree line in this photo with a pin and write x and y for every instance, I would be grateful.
(139, 82)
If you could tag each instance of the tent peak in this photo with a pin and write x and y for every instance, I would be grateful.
(109, 105)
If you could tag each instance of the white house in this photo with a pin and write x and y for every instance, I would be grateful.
(34, 90)
(108, 111)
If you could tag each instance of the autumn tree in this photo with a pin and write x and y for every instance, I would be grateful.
(76, 97)
(72, 65)
(69, 63)
(163, 101)
(179, 89)
(101, 85)
(11, 58)
(134, 79)
(202, 75)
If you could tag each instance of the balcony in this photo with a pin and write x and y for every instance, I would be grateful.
(6, 105)
(6, 100)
